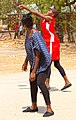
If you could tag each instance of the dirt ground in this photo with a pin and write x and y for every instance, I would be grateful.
(12, 55)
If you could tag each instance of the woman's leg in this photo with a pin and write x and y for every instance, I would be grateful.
(59, 67)
(33, 90)
(62, 72)
(41, 83)
(41, 77)
(47, 82)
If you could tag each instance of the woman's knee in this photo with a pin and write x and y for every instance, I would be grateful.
(40, 83)
(41, 79)
(57, 64)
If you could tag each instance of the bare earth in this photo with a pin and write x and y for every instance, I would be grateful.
(15, 89)
(12, 55)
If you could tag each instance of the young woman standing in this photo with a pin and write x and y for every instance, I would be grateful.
(51, 39)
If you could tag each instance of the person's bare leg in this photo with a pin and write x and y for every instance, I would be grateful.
(49, 111)
(34, 105)
(67, 83)
(66, 80)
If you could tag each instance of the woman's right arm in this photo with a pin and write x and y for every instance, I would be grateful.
(21, 7)
(24, 66)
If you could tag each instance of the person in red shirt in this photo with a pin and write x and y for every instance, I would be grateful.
(16, 31)
(53, 45)
(52, 41)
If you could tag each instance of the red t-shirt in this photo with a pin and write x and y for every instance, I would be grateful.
(51, 39)
(16, 27)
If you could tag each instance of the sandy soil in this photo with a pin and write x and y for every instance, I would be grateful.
(15, 89)
(12, 55)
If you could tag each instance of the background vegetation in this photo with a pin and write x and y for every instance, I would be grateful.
(66, 21)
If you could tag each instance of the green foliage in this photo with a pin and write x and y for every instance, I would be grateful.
(6, 6)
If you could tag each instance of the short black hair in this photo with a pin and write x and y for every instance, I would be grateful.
(27, 20)
(55, 11)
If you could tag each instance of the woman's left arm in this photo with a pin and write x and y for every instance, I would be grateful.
(33, 73)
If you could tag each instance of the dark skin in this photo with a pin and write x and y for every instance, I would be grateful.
(33, 73)
(37, 58)
(36, 65)
(46, 16)
(25, 64)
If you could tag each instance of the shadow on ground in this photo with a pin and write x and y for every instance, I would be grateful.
(41, 109)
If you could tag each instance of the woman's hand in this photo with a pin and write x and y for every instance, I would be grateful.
(21, 7)
(24, 67)
(32, 76)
